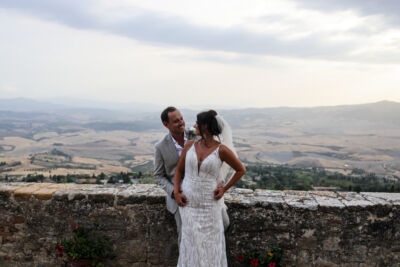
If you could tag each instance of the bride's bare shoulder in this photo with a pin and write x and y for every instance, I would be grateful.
(223, 147)
(224, 151)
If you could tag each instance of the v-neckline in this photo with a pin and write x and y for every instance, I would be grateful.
(197, 157)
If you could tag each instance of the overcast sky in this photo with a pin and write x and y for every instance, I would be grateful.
(234, 53)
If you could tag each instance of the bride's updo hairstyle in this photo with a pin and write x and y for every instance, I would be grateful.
(208, 118)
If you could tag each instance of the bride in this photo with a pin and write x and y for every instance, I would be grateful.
(205, 164)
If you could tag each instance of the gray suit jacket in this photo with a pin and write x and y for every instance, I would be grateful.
(165, 161)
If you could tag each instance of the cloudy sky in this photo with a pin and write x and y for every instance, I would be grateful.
(258, 53)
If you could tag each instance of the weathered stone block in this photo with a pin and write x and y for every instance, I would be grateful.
(45, 193)
(103, 196)
(133, 251)
(18, 219)
(5, 234)
(130, 199)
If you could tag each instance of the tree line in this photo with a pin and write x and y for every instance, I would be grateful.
(284, 177)
(274, 177)
(118, 178)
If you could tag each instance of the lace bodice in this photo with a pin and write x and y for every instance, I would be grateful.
(207, 169)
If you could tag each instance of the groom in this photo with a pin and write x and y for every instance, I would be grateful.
(167, 152)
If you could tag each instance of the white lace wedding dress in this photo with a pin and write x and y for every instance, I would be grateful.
(203, 240)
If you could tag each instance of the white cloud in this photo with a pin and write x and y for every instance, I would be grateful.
(388, 9)
(175, 52)
(272, 28)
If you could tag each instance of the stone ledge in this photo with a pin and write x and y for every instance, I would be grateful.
(152, 194)
(317, 228)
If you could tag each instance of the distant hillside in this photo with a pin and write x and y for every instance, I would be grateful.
(19, 113)
(56, 104)
(26, 104)
(361, 117)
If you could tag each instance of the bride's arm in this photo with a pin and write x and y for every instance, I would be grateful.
(179, 171)
(230, 158)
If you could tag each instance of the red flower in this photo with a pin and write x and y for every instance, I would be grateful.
(254, 263)
(272, 264)
(240, 257)
(75, 228)
(59, 248)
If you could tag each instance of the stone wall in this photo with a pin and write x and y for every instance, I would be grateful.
(316, 228)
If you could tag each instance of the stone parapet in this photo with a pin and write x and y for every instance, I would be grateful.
(316, 228)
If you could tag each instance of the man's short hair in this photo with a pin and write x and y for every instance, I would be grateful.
(164, 114)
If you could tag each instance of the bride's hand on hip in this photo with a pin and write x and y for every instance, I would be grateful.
(219, 192)
(180, 199)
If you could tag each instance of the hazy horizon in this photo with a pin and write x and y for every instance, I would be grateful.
(92, 103)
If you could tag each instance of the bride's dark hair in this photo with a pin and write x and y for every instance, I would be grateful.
(208, 118)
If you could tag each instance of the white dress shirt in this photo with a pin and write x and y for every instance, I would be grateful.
(177, 145)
